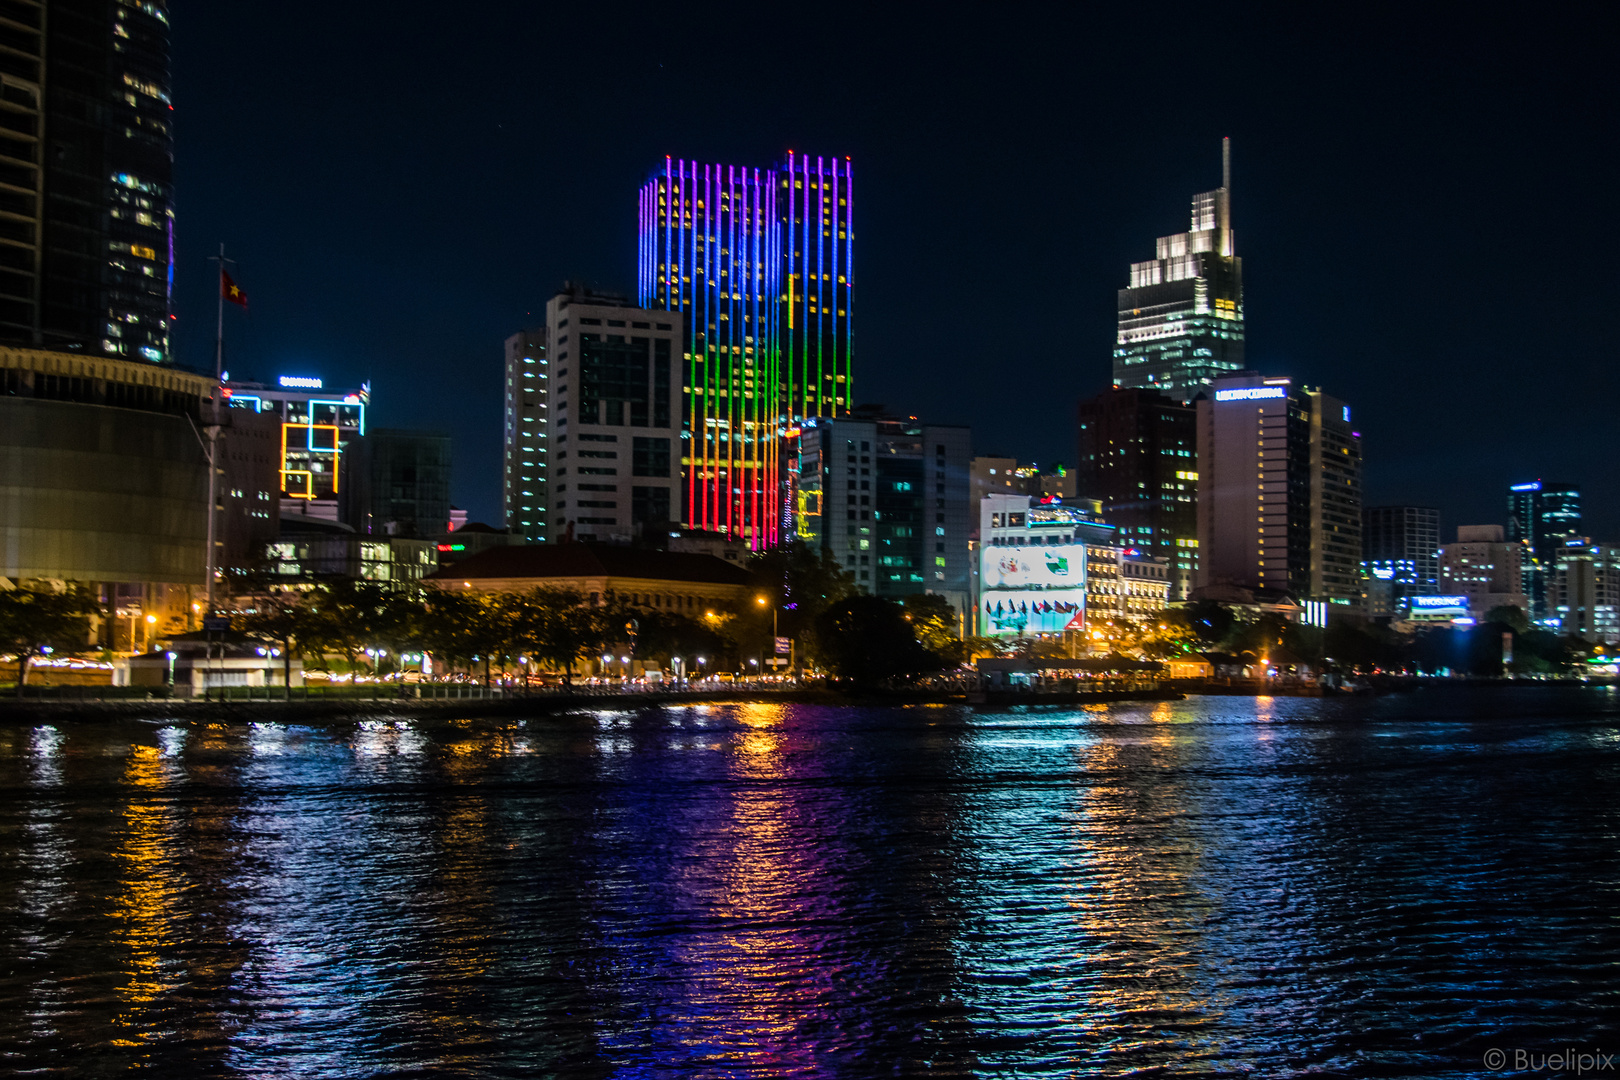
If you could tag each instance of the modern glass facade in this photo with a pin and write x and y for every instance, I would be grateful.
(1540, 514)
(1138, 454)
(758, 261)
(86, 163)
(1400, 548)
(1181, 319)
(888, 497)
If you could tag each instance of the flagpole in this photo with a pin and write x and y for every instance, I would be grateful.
(213, 429)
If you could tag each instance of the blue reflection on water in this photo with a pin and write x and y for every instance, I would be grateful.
(1220, 886)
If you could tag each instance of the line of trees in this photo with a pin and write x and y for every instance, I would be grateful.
(797, 592)
(1209, 629)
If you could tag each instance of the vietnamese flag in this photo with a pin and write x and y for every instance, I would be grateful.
(229, 289)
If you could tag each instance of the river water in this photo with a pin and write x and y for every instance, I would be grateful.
(1214, 887)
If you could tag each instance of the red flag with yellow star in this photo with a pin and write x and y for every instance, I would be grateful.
(229, 289)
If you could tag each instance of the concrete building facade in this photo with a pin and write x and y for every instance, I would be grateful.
(1485, 567)
(1279, 491)
(614, 421)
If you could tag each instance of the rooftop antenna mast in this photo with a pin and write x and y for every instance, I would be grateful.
(1228, 245)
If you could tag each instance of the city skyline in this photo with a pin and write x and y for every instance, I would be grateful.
(442, 297)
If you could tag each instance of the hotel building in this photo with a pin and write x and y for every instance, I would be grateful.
(1279, 490)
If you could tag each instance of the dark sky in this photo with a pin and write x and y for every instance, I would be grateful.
(1426, 207)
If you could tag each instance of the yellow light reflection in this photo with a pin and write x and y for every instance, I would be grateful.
(148, 905)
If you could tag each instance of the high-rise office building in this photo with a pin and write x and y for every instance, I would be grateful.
(1138, 454)
(710, 249)
(889, 498)
(1279, 490)
(397, 483)
(1399, 555)
(1540, 514)
(613, 428)
(525, 453)
(1181, 319)
(86, 163)
(758, 262)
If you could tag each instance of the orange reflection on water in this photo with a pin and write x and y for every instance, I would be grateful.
(1265, 711)
(1135, 900)
(148, 904)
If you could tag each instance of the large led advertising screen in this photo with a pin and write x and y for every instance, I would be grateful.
(1032, 590)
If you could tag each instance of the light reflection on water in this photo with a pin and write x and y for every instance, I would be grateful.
(1221, 886)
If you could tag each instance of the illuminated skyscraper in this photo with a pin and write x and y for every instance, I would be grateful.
(1540, 514)
(528, 398)
(1181, 320)
(814, 199)
(758, 262)
(711, 249)
(86, 160)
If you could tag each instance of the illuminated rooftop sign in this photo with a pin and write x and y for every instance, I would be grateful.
(1526, 487)
(1440, 602)
(299, 382)
(1252, 393)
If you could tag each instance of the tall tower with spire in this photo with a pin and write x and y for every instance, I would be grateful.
(1181, 319)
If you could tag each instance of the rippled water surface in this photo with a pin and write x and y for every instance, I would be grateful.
(1212, 887)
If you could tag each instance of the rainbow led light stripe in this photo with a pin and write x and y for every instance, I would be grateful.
(817, 199)
(709, 249)
(757, 260)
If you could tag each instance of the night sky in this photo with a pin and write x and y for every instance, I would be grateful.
(1426, 210)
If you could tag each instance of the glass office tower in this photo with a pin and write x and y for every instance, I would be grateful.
(86, 164)
(1400, 558)
(1181, 320)
(1540, 514)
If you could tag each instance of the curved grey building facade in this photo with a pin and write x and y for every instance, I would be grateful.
(102, 474)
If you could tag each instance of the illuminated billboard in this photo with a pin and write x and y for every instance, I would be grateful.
(1023, 613)
(1251, 393)
(1441, 603)
(1031, 589)
(1060, 566)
